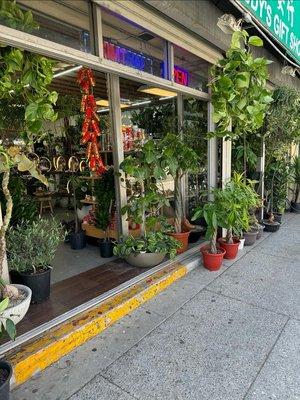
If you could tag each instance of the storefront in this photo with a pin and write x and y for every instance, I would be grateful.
(151, 79)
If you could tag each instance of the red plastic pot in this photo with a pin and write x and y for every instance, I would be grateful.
(230, 248)
(182, 238)
(211, 261)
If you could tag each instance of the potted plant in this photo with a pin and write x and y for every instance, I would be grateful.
(147, 251)
(270, 224)
(105, 196)
(6, 324)
(77, 237)
(30, 248)
(295, 204)
(212, 254)
(144, 170)
(179, 159)
(232, 199)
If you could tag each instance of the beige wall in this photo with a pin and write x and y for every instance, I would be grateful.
(200, 17)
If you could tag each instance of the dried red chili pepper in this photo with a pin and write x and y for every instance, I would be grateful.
(95, 127)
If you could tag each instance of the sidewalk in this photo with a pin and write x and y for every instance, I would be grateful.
(227, 335)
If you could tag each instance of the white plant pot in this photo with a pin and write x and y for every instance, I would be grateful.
(17, 313)
(242, 242)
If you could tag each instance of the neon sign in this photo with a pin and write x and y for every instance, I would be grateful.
(142, 62)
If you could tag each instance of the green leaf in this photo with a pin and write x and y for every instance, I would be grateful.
(31, 112)
(255, 41)
(11, 329)
(4, 304)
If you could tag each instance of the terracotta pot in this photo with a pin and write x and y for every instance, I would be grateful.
(211, 261)
(182, 238)
(230, 248)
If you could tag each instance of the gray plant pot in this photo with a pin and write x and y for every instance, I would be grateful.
(145, 260)
(260, 231)
(250, 237)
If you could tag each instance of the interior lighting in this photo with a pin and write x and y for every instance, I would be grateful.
(67, 71)
(105, 103)
(156, 91)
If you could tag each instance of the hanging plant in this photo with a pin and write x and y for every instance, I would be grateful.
(239, 94)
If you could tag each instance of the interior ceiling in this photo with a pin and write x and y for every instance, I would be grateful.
(67, 85)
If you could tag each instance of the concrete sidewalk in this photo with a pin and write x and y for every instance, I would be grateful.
(231, 334)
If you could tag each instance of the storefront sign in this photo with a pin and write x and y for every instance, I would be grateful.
(281, 18)
(140, 61)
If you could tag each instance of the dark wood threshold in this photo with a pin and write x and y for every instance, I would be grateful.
(72, 292)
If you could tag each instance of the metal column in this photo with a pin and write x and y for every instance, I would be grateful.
(226, 161)
(118, 152)
(261, 169)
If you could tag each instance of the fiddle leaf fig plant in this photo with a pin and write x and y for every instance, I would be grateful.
(24, 83)
(238, 87)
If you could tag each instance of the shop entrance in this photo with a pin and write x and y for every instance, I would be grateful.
(80, 275)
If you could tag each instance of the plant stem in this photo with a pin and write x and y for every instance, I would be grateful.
(6, 220)
(229, 238)
(143, 225)
(213, 243)
(177, 200)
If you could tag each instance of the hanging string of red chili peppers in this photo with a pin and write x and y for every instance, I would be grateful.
(90, 126)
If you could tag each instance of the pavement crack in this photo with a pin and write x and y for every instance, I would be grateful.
(266, 359)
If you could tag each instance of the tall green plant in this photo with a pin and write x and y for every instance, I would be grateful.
(105, 195)
(24, 82)
(178, 159)
(238, 87)
(147, 167)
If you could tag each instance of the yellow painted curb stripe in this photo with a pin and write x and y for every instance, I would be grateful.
(28, 362)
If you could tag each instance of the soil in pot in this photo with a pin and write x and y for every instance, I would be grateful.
(106, 249)
(250, 237)
(145, 260)
(271, 226)
(230, 248)
(182, 238)
(78, 240)
(39, 283)
(211, 261)
(5, 375)
(295, 207)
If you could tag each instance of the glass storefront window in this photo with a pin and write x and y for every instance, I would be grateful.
(65, 22)
(129, 44)
(194, 131)
(190, 70)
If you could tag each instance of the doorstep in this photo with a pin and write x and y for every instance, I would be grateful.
(40, 351)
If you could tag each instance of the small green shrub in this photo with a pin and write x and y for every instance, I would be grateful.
(32, 246)
(154, 242)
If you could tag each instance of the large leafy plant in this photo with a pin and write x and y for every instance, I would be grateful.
(238, 88)
(296, 178)
(146, 168)
(282, 123)
(178, 159)
(24, 81)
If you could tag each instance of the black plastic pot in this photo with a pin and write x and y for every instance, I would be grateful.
(5, 375)
(106, 249)
(278, 217)
(271, 226)
(77, 240)
(194, 236)
(295, 207)
(39, 283)
(250, 237)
